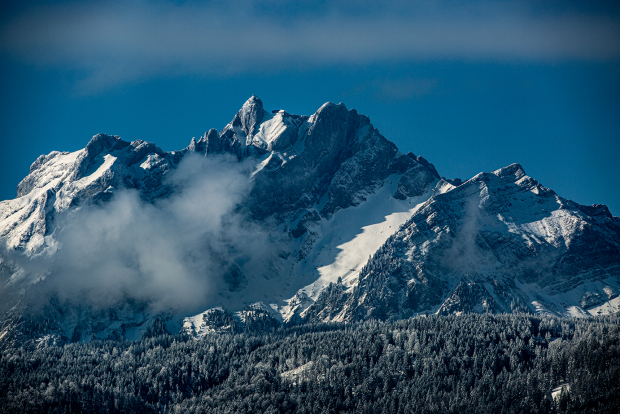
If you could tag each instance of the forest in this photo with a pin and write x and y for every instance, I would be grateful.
(431, 364)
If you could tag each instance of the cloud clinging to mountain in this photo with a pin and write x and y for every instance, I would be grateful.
(178, 252)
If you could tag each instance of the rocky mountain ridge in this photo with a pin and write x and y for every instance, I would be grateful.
(362, 231)
(497, 243)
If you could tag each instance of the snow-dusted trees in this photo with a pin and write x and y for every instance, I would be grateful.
(468, 363)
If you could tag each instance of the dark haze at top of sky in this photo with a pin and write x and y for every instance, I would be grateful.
(471, 86)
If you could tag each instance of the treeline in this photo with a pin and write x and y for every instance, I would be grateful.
(436, 364)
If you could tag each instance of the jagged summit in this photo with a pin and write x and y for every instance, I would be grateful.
(249, 116)
(253, 101)
(513, 169)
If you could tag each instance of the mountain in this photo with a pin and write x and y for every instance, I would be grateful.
(498, 242)
(329, 222)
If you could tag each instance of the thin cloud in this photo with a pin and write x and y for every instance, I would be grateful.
(114, 43)
(401, 89)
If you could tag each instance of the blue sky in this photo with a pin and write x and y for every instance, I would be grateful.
(472, 86)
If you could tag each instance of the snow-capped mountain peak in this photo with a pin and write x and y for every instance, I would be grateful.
(331, 222)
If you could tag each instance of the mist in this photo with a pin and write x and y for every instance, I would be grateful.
(177, 252)
(464, 257)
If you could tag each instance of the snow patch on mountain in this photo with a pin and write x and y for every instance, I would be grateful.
(274, 132)
(609, 307)
(366, 227)
(197, 326)
(23, 220)
(345, 242)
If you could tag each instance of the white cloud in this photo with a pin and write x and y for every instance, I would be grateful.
(113, 43)
(176, 252)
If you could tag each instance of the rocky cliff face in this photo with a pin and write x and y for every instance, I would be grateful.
(363, 231)
(60, 181)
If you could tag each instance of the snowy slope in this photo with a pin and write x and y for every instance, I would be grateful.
(498, 242)
(345, 243)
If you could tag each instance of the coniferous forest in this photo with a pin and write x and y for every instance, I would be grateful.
(435, 364)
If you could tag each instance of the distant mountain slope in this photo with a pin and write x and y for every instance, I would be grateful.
(498, 242)
(335, 223)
